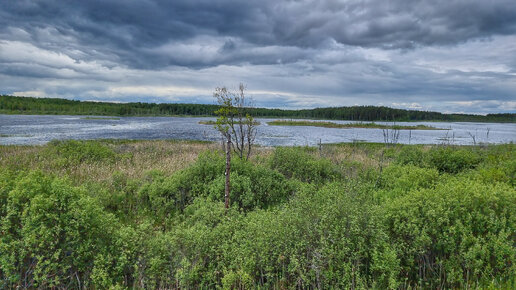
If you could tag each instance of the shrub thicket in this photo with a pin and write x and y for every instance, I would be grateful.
(453, 160)
(438, 218)
(298, 163)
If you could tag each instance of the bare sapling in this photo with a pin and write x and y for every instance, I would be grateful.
(237, 127)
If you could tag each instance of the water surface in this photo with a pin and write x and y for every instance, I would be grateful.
(40, 129)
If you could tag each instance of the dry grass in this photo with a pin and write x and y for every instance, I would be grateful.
(341, 153)
(137, 158)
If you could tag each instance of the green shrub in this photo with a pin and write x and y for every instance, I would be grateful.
(73, 152)
(295, 222)
(453, 160)
(411, 155)
(458, 234)
(119, 194)
(397, 180)
(55, 235)
(191, 254)
(299, 164)
(252, 186)
(328, 238)
(7, 182)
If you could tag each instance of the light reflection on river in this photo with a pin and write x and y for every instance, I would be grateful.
(37, 129)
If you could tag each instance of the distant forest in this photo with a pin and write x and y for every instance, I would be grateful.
(52, 106)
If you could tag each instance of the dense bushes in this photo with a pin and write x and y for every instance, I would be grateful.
(457, 234)
(296, 221)
(444, 158)
(252, 186)
(299, 164)
(453, 160)
(53, 234)
(324, 238)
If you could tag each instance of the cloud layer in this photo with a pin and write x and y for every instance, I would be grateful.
(450, 56)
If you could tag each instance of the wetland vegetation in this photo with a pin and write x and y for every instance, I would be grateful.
(371, 125)
(150, 214)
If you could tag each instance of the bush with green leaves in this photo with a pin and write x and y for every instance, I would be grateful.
(397, 180)
(191, 254)
(298, 163)
(411, 155)
(453, 160)
(458, 234)
(55, 235)
(327, 238)
(252, 186)
(424, 221)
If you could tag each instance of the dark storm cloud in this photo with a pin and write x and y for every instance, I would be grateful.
(146, 34)
(446, 55)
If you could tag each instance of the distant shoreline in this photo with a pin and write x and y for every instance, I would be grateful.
(10, 105)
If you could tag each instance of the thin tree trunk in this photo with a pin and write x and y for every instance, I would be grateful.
(228, 168)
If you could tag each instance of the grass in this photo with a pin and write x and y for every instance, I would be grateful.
(100, 118)
(15, 135)
(371, 125)
(133, 158)
(211, 122)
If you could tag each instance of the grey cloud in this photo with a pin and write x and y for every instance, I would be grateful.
(128, 30)
(293, 53)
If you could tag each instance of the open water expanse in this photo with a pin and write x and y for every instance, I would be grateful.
(38, 129)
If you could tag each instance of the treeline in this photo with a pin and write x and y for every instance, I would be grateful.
(52, 106)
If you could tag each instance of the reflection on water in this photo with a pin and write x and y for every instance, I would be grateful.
(33, 129)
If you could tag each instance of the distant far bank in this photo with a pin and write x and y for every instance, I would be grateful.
(54, 106)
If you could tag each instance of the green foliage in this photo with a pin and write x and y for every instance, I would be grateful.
(300, 164)
(296, 221)
(397, 180)
(411, 155)
(453, 160)
(456, 234)
(322, 239)
(54, 235)
(73, 152)
(252, 186)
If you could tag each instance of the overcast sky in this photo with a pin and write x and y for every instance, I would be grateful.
(440, 55)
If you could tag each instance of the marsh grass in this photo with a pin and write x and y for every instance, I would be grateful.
(100, 118)
(371, 125)
(211, 122)
(131, 158)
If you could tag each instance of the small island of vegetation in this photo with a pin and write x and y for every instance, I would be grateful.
(100, 118)
(371, 125)
(211, 122)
